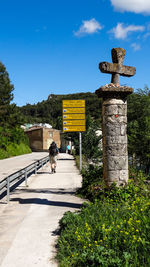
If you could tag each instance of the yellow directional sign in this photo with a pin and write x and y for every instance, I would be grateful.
(74, 116)
(73, 110)
(74, 122)
(73, 128)
(73, 103)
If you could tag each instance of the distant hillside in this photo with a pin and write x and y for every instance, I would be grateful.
(50, 110)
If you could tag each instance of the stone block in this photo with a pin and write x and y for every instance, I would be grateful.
(124, 175)
(113, 91)
(114, 119)
(115, 150)
(111, 129)
(111, 140)
(122, 110)
(113, 176)
(123, 130)
(114, 101)
(110, 110)
(113, 163)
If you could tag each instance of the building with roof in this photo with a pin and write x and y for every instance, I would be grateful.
(40, 137)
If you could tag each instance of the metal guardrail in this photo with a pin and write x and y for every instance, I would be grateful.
(13, 179)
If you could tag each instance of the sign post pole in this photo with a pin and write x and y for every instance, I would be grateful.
(74, 119)
(80, 146)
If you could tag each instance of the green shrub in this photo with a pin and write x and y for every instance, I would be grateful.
(91, 178)
(17, 149)
(13, 142)
(77, 159)
(114, 230)
(106, 234)
(3, 154)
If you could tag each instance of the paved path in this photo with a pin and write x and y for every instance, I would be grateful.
(11, 165)
(29, 222)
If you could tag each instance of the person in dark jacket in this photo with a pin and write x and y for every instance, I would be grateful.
(53, 152)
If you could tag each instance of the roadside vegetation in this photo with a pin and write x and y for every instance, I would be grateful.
(13, 141)
(50, 111)
(113, 226)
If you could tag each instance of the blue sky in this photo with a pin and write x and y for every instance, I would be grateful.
(55, 46)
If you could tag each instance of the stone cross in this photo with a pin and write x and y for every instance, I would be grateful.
(117, 68)
(114, 119)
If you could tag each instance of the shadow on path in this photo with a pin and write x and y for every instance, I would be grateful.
(44, 201)
(61, 191)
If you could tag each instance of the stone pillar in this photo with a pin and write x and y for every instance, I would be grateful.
(114, 112)
(114, 128)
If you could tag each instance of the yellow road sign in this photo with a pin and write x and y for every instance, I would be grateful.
(74, 122)
(74, 116)
(73, 128)
(73, 110)
(73, 103)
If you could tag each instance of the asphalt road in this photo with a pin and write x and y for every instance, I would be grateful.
(11, 165)
(29, 223)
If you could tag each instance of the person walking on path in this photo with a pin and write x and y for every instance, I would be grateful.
(53, 152)
(68, 149)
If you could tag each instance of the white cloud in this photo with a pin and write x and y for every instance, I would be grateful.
(136, 46)
(121, 31)
(88, 27)
(137, 6)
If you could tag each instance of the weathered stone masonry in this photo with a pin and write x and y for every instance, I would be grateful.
(114, 122)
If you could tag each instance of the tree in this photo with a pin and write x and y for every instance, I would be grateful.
(6, 95)
(92, 148)
(139, 128)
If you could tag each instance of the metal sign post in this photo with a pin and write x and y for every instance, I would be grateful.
(80, 149)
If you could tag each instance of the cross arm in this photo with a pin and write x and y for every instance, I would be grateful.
(114, 68)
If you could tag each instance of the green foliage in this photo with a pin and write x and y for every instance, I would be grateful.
(139, 128)
(14, 150)
(6, 94)
(77, 159)
(92, 141)
(13, 142)
(91, 180)
(12, 138)
(112, 231)
(50, 110)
